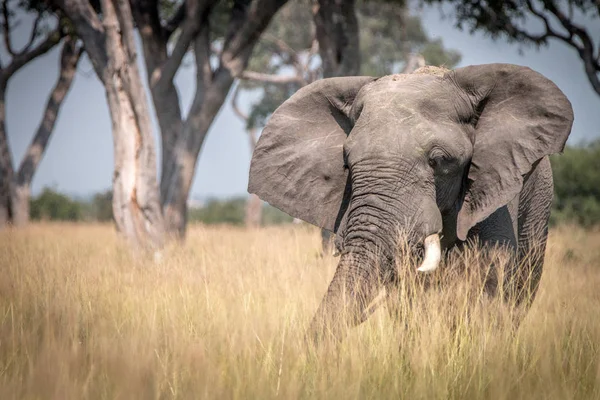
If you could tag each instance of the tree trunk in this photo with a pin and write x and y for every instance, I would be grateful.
(182, 140)
(136, 205)
(6, 166)
(253, 211)
(337, 33)
(20, 204)
(70, 56)
(180, 168)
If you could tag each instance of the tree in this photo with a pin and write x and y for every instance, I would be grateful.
(299, 45)
(108, 37)
(558, 22)
(222, 36)
(15, 185)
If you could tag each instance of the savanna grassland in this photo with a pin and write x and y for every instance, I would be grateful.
(224, 316)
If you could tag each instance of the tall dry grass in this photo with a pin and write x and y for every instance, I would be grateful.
(224, 316)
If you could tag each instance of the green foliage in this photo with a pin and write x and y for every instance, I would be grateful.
(51, 205)
(577, 185)
(435, 54)
(388, 34)
(232, 211)
(215, 211)
(54, 206)
(290, 31)
(509, 18)
(100, 208)
(274, 216)
(273, 96)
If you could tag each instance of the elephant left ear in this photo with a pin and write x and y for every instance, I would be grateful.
(522, 117)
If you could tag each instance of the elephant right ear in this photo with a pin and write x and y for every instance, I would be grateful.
(298, 163)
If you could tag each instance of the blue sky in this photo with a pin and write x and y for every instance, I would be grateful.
(79, 159)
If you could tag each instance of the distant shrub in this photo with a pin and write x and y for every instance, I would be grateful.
(274, 216)
(100, 208)
(215, 211)
(577, 185)
(233, 211)
(51, 205)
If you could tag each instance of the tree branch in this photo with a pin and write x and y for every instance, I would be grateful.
(196, 17)
(89, 29)
(189, 31)
(270, 78)
(244, 117)
(586, 50)
(70, 56)
(34, 33)
(248, 22)
(21, 59)
(314, 50)
(176, 21)
(234, 105)
(283, 48)
(549, 31)
(204, 72)
(6, 28)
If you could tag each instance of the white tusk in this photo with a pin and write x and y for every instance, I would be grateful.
(433, 254)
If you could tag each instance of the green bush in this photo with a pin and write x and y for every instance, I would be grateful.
(101, 207)
(577, 185)
(51, 205)
(216, 211)
(233, 211)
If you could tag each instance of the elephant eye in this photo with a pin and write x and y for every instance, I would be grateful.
(439, 160)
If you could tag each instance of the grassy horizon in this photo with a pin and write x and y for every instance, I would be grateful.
(224, 316)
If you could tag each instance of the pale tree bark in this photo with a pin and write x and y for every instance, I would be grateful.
(34, 48)
(69, 58)
(110, 45)
(183, 139)
(414, 61)
(253, 215)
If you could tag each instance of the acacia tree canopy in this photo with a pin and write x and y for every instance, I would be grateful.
(285, 58)
(552, 20)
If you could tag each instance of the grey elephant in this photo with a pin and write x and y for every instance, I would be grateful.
(450, 154)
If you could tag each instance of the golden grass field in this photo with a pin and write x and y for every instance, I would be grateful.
(224, 316)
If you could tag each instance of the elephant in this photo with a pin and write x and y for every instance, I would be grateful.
(452, 154)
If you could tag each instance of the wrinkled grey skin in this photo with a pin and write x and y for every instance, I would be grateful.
(461, 153)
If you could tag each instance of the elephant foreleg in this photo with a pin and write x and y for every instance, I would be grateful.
(535, 204)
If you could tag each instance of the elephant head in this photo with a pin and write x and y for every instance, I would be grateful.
(435, 151)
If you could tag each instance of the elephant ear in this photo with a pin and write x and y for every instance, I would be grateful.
(298, 163)
(522, 117)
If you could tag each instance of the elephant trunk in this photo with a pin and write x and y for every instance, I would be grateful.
(353, 287)
(367, 260)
